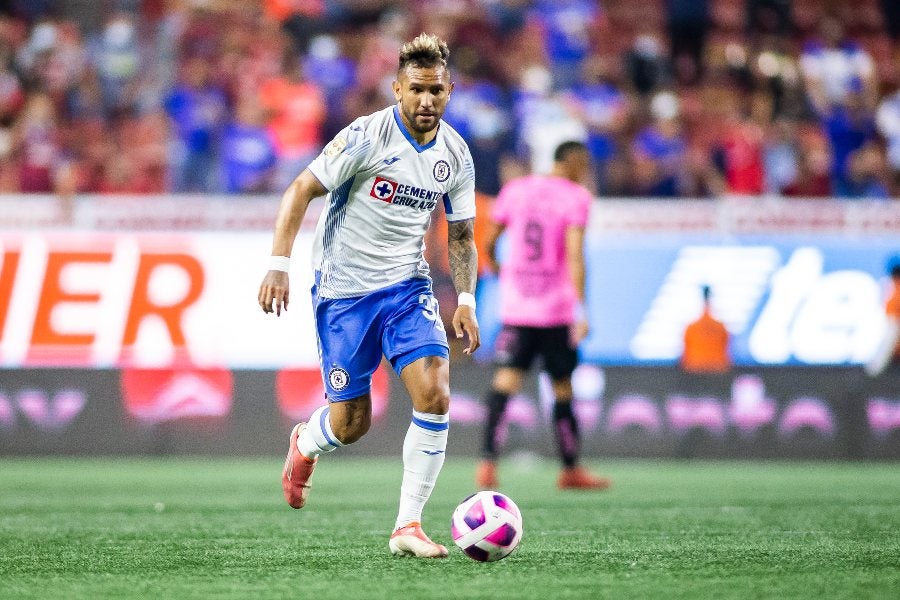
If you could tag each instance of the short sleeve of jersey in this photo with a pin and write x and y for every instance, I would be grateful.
(459, 201)
(343, 157)
(581, 207)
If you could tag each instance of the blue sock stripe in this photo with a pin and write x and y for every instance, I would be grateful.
(430, 425)
(324, 427)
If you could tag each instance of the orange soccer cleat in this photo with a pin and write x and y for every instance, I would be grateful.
(297, 472)
(486, 475)
(579, 478)
(412, 541)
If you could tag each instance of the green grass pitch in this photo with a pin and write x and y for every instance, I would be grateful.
(174, 528)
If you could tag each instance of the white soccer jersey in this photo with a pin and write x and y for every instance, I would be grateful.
(382, 188)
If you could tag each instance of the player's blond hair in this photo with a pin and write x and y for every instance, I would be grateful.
(425, 51)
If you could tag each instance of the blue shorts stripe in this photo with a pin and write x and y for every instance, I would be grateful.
(430, 425)
(324, 428)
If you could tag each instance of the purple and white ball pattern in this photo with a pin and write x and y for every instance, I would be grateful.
(487, 526)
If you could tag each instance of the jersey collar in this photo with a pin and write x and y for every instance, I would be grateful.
(412, 141)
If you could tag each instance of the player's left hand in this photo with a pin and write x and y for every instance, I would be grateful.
(464, 322)
(578, 331)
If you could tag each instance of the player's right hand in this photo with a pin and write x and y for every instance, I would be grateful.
(274, 292)
(466, 323)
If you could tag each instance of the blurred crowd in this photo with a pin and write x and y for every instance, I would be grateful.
(675, 98)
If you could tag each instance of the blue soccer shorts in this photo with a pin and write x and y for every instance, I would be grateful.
(400, 321)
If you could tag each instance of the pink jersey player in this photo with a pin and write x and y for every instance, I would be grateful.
(535, 285)
(541, 285)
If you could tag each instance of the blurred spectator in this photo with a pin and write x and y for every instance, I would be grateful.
(529, 73)
(567, 25)
(12, 95)
(134, 161)
(891, 10)
(477, 114)
(36, 144)
(646, 66)
(741, 149)
(835, 66)
(849, 126)
(813, 175)
(865, 174)
(688, 23)
(888, 121)
(778, 74)
(781, 156)
(248, 151)
(702, 178)
(659, 150)
(328, 67)
(604, 108)
(296, 114)
(117, 59)
(121, 176)
(198, 111)
(769, 17)
(545, 118)
(301, 18)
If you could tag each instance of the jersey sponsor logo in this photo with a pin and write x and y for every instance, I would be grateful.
(391, 160)
(338, 145)
(383, 189)
(441, 171)
(338, 378)
(403, 194)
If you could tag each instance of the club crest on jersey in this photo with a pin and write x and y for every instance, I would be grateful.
(441, 171)
(338, 378)
(338, 145)
(383, 189)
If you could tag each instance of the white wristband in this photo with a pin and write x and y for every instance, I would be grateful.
(466, 299)
(280, 263)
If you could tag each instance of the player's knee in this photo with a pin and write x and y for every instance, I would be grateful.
(507, 381)
(352, 429)
(351, 420)
(434, 398)
(562, 389)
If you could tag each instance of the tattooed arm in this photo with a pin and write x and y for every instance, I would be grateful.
(464, 270)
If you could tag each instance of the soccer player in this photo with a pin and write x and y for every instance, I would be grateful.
(383, 175)
(542, 301)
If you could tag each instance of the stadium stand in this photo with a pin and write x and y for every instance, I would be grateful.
(675, 98)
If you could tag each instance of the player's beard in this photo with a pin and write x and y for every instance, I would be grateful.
(416, 125)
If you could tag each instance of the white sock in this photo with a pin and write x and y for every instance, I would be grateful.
(423, 456)
(318, 437)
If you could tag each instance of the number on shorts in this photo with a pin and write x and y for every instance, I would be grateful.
(430, 309)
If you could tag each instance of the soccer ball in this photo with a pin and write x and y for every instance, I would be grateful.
(487, 526)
